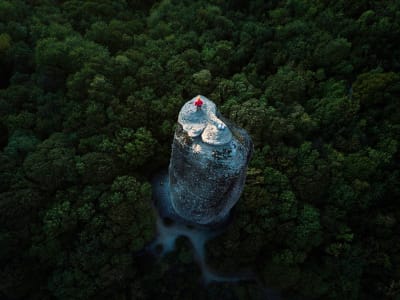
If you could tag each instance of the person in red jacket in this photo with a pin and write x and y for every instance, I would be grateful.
(198, 103)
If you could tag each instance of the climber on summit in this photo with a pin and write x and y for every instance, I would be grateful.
(198, 103)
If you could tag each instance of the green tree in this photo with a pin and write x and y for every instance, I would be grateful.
(137, 147)
(52, 164)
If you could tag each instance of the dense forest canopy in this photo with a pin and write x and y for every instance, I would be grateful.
(89, 96)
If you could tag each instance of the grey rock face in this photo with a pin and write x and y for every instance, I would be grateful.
(208, 164)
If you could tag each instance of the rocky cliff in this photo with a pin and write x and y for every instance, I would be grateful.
(208, 166)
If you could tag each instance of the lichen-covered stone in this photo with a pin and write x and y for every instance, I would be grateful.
(208, 164)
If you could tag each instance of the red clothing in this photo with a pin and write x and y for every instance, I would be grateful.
(198, 102)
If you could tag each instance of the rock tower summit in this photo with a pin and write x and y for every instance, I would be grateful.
(207, 169)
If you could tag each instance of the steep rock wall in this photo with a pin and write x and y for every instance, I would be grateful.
(208, 164)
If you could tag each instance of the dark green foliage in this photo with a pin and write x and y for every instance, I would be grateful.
(96, 168)
(53, 164)
(89, 95)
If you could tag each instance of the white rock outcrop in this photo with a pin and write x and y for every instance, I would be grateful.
(208, 165)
